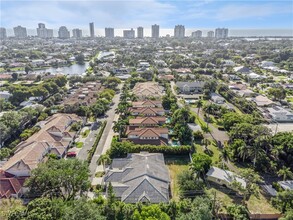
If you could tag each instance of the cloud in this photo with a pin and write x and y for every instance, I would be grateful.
(76, 13)
(240, 11)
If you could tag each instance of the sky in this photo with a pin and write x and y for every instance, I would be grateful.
(237, 14)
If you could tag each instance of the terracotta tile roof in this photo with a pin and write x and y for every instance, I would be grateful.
(147, 120)
(146, 111)
(148, 89)
(148, 132)
(147, 103)
(54, 134)
(8, 185)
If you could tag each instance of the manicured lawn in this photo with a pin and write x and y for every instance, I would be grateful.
(85, 133)
(176, 165)
(79, 144)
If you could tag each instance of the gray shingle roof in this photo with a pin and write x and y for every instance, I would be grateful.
(198, 84)
(140, 177)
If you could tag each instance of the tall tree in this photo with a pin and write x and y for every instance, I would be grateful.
(59, 178)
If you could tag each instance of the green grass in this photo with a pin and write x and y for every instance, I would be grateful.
(99, 174)
(215, 153)
(290, 99)
(255, 205)
(2, 69)
(85, 133)
(176, 165)
(79, 144)
(200, 122)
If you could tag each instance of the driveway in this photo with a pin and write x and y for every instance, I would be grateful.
(215, 133)
(89, 141)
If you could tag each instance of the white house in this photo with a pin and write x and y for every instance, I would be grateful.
(228, 63)
(216, 98)
(5, 95)
(267, 64)
(280, 114)
(224, 177)
(38, 62)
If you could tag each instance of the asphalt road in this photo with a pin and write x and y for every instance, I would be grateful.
(89, 141)
(106, 135)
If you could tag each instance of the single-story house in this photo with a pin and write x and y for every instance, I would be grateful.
(242, 69)
(280, 114)
(224, 177)
(216, 98)
(190, 87)
(140, 177)
(5, 95)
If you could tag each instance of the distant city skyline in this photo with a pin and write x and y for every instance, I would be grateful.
(100, 32)
(211, 14)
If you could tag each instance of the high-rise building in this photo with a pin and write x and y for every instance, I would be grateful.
(3, 33)
(92, 30)
(140, 32)
(155, 31)
(221, 33)
(109, 32)
(63, 33)
(211, 34)
(196, 34)
(129, 33)
(43, 32)
(20, 32)
(179, 31)
(77, 33)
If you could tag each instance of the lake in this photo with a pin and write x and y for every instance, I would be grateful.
(75, 69)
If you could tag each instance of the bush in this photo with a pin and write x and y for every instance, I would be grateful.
(197, 135)
(120, 149)
(95, 145)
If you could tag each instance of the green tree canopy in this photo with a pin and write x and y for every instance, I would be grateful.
(59, 178)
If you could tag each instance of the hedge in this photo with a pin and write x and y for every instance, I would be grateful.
(91, 152)
(120, 149)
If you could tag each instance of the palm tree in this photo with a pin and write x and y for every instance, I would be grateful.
(285, 172)
(119, 126)
(104, 159)
(199, 104)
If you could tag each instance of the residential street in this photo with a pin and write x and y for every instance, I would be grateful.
(106, 139)
(88, 143)
(215, 133)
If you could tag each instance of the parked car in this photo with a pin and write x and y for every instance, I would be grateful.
(71, 154)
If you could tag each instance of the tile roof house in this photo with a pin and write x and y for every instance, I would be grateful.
(85, 95)
(147, 121)
(146, 90)
(140, 177)
(190, 87)
(147, 103)
(10, 186)
(152, 136)
(147, 111)
(261, 101)
(54, 137)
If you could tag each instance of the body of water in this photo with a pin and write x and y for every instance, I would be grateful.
(75, 69)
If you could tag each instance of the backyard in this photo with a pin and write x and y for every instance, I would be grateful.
(176, 164)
